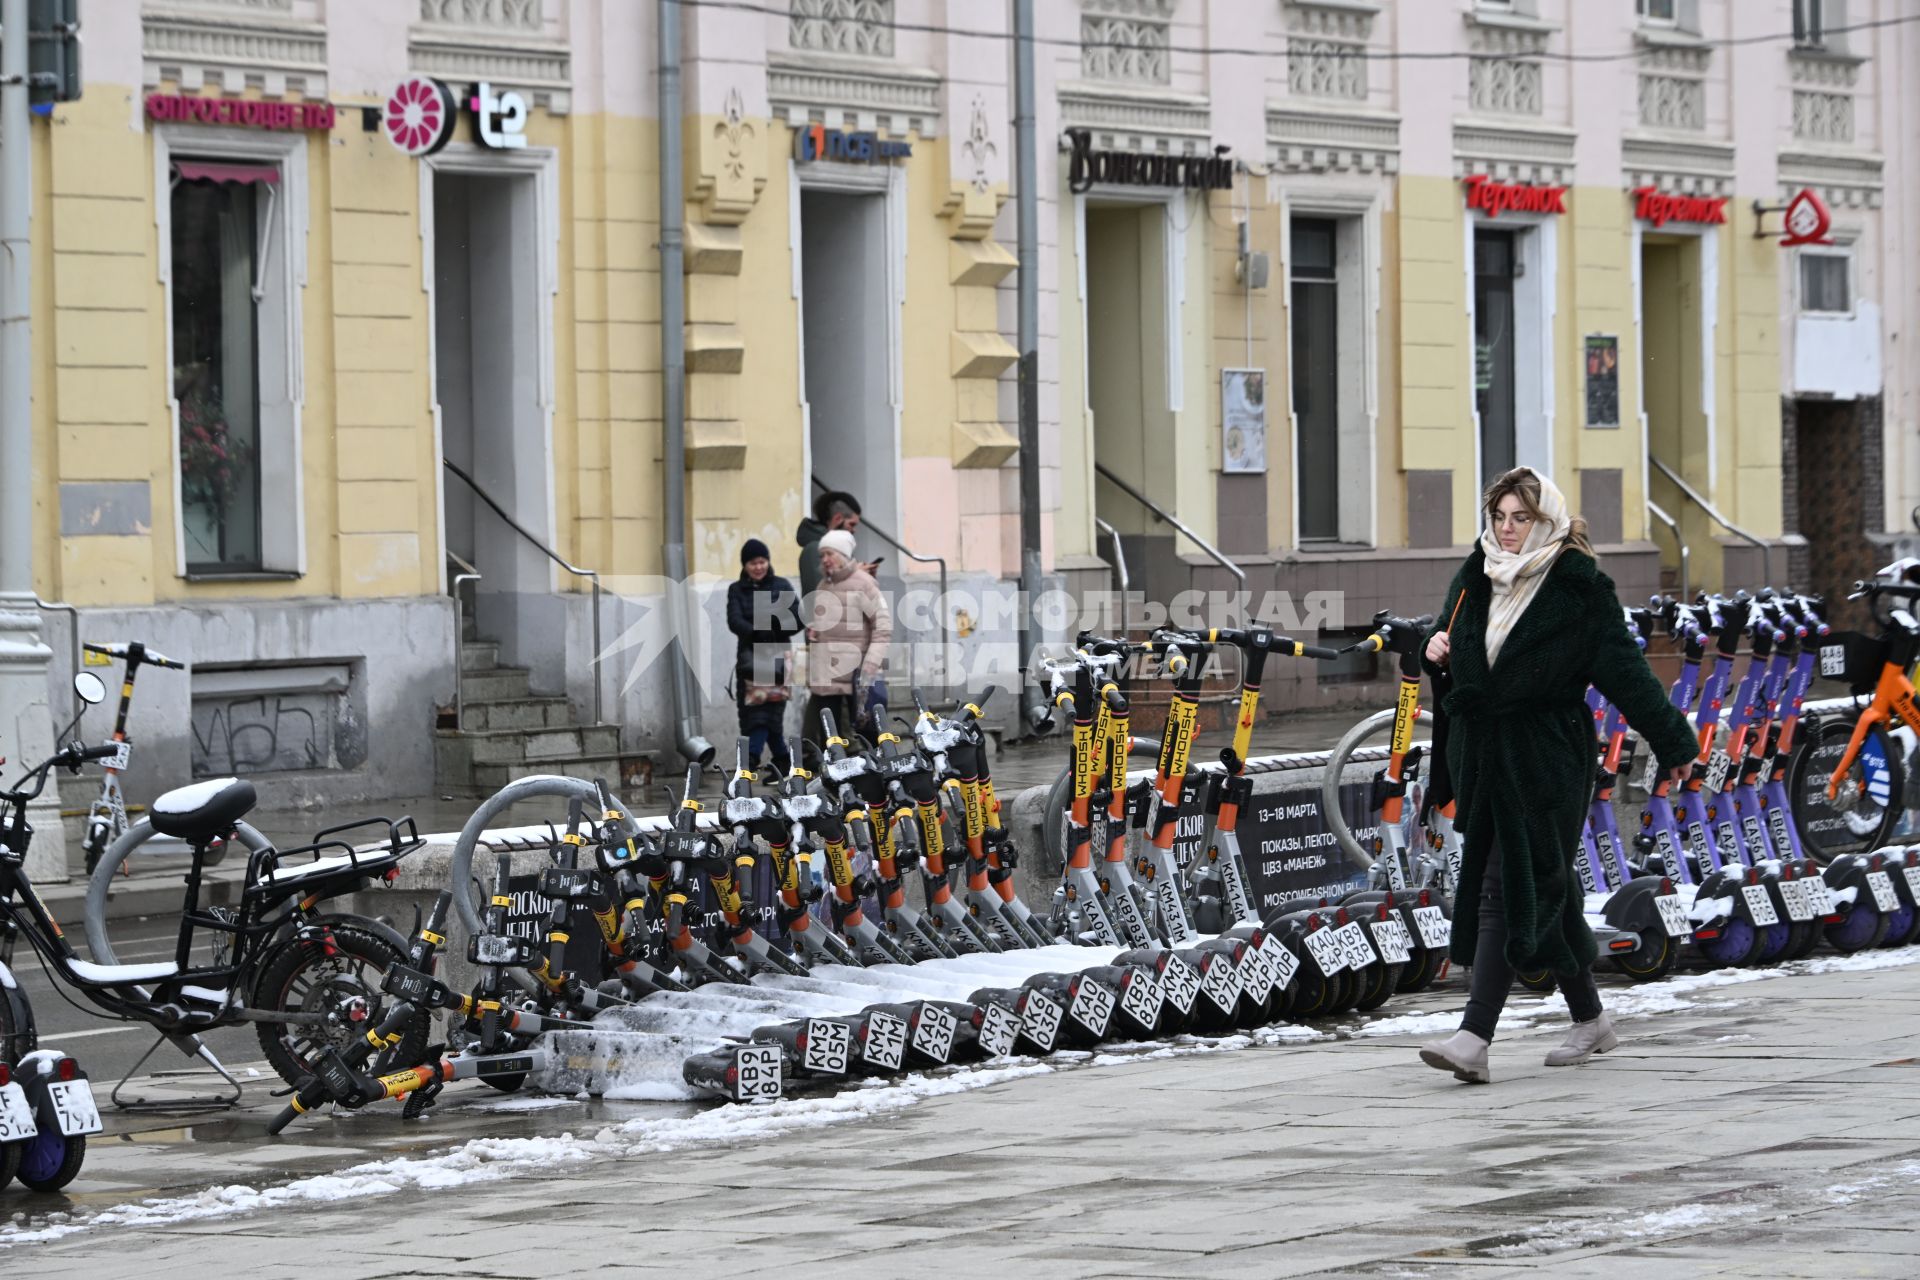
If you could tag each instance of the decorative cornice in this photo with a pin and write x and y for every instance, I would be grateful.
(541, 68)
(1675, 59)
(1301, 139)
(1514, 34)
(1539, 154)
(1822, 69)
(1856, 181)
(1677, 166)
(1132, 120)
(1330, 19)
(881, 96)
(193, 48)
(1157, 10)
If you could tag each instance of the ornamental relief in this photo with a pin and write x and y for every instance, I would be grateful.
(861, 27)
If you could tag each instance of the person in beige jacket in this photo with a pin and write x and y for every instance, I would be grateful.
(849, 628)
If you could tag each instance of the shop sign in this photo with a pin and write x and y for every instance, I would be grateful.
(247, 113)
(1808, 220)
(1495, 198)
(1652, 205)
(499, 119)
(418, 117)
(817, 142)
(1086, 167)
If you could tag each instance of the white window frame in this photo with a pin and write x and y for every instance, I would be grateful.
(1646, 19)
(282, 385)
(1842, 251)
(1537, 290)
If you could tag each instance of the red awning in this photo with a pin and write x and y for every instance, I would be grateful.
(214, 172)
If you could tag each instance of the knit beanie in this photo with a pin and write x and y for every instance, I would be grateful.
(837, 540)
(753, 549)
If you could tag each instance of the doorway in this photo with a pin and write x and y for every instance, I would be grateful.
(1127, 359)
(1672, 373)
(1315, 321)
(848, 355)
(1495, 395)
(487, 383)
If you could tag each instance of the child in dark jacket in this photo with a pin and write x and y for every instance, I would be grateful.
(764, 615)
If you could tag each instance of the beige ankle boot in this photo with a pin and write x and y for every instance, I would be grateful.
(1585, 1040)
(1463, 1053)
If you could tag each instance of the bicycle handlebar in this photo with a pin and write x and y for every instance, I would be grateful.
(122, 650)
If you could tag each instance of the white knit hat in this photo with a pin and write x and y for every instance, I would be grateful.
(837, 540)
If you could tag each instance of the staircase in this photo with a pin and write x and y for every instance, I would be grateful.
(506, 731)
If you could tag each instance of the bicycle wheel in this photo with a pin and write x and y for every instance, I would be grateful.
(1379, 723)
(1053, 829)
(342, 988)
(106, 875)
(1852, 822)
(467, 893)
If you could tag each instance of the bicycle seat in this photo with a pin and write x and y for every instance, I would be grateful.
(202, 811)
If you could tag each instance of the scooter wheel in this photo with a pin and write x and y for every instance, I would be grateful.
(50, 1160)
(1861, 928)
(1346, 990)
(1775, 941)
(1654, 960)
(9, 1161)
(1902, 926)
(1736, 946)
(1422, 971)
(1311, 991)
(1541, 980)
(1376, 984)
(1806, 941)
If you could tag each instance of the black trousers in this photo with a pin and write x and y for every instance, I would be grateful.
(763, 725)
(1493, 976)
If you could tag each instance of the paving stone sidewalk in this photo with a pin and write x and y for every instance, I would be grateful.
(1770, 1128)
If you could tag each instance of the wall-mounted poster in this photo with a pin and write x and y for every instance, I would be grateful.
(1243, 419)
(1603, 380)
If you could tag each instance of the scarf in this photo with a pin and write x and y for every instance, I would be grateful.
(1518, 575)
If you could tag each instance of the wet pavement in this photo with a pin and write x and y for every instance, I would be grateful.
(1751, 1125)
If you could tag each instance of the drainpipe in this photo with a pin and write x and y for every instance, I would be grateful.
(673, 395)
(1027, 222)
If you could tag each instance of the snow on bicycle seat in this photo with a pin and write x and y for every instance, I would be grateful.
(113, 975)
(203, 810)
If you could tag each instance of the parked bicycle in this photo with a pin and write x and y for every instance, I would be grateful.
(107, 815)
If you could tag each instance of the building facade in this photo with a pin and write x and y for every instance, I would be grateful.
(340, 303)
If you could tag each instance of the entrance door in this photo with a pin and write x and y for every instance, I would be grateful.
(487, 380)
(1493, 343)
(848, 349)
(1316, 375)
(1127, 346)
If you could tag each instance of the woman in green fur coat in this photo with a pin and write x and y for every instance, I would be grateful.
(1536, 622)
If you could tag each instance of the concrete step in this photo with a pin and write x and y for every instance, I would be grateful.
(508, 746)
(515, 713)
(491, 777)
(479, 655)
(496, 684)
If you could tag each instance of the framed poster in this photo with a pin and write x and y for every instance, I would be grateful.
(1603, 380)
(1243, 420)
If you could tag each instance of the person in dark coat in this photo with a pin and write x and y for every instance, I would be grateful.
(835, 509)
(1537, 623)
(764, 614)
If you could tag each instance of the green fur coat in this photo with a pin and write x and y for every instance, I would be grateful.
(1521, 749)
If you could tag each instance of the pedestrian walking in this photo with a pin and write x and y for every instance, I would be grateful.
(849, 627)
(764, 615)
(1531, 623)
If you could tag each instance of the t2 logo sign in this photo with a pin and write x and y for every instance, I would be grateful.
(500, 120)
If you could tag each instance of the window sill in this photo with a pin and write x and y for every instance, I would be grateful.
(1662, 36)
(243, 575)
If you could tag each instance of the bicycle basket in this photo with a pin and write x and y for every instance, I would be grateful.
(1853, 658)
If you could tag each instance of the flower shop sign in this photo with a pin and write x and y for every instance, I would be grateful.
(246, 113)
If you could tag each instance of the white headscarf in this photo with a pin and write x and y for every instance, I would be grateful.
(1517, 575)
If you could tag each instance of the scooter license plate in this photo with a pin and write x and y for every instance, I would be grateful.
(1884, 896)
(1913, 880)
(1673, 915)
(1359, 951)
(1141, 1000)
(120, 757)
(1436, 930)
(829, 1045)
(1285, 963)
(1040, 1020)
(1256, 975)
(1821, 895)
(1180, 985)
(1794, 894)
(934, 1034)
(1222, 983)
(999, 1028)
(1396, 945)
(16, 1114)
(757, 1073)
(1092, 1006)
(1760, 904)
(1327, 952)
(1717, 765)
(73, 1108)
(886, 1041)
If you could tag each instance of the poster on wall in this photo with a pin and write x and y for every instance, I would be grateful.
(1603, 380)
(1243, 419)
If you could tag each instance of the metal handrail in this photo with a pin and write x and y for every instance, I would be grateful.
(467, 574)
(1766, 553)
(946, 625)
(592, 575)
(1119, 556)
(56, 606)
(1167, 517)
(1686, 552)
